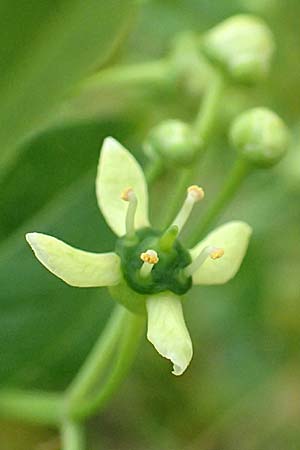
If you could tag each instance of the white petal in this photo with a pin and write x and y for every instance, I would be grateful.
(75, 267)
(117, 171)
(167, 330)
(233, 237)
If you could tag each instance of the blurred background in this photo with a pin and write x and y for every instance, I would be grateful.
(242, 388)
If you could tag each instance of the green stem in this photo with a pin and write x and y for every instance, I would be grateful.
(73, 436)
(31, 406)
(232, 184)
(96, 401)
(152, 72)
(206, 118)
(153, 170)
(99, 358)
(180, 188)
(203, 128)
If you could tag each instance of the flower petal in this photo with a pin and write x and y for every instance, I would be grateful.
(233, 237)
(75, 267)
(117, 171)
(167, 330)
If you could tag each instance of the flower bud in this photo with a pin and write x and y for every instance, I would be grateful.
(173, 141)
(243, 46)
(260, 136)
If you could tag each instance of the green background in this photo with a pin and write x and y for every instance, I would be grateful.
(242, 388)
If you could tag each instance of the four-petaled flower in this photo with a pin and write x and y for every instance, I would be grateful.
(150, 269)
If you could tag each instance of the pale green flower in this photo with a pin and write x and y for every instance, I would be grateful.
(149, 270)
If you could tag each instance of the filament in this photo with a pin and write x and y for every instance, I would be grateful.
(194, 195)
(149, 258)
(129, 196)
(209, 251)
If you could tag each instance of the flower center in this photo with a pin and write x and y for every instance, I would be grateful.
(158, 269)
(153, 261)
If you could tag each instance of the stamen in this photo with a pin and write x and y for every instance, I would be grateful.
(167, 240)
(217, 253)
(129, 196)
(209, 251)
(150, 258)
(194, 195)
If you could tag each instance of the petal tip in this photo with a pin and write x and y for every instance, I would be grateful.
(167, 331)
(110, 144)
(31, 237)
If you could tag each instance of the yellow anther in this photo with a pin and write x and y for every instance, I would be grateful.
(150, 257)
(206, 252)
(194, 195)
(217, 253)
(196, 191)
(127, 194)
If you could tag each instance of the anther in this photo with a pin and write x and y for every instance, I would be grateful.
(196, 191)
(209, 251)
(217, 253)
(149, 258)
(129, 196)
(194, 195)
(126, 194)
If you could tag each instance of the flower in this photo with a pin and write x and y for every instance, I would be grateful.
(150, 270)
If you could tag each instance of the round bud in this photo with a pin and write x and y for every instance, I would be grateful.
(260, 136)
(173, 141)
(242, 46)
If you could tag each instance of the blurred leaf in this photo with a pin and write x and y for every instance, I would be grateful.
(47, 165)
(46, 327)
(47, 47)
(45, 323)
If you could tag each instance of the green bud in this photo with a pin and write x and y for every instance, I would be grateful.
(260, 136)
(173, 141)
(242, 46)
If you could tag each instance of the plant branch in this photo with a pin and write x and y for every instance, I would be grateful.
(152, 72)
(100, 356)
(72, 436)
(31, 406)
(234, 180)
(97, 400)
(205, 121)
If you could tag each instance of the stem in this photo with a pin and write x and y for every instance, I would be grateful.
(205, 120)
(237, 175)
(99, 357)
(203, 128)
(73, 436)
(124, 358)
(180, 188)
(152, 72)
(153, 170)
(33, 407)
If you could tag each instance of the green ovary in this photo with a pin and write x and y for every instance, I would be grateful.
(166, 275)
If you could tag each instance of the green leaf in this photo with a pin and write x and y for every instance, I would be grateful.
(47, 327)
(45, 50)
(38, 176)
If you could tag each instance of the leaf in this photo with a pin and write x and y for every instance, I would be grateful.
(43, 322)
(38, 176)
(46, 327)
(46, 49)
